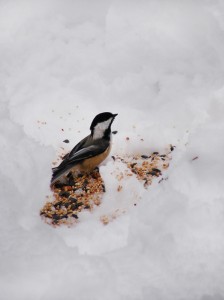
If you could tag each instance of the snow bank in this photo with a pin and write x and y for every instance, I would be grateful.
(160, 66)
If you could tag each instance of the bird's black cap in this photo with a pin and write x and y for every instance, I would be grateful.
(102, 117)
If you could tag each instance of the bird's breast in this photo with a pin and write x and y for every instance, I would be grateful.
(89, 164)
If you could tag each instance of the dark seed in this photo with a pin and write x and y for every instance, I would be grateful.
(132, 165)
(163, 155)
(56, 217)
(66, 141)
(59, 185)
(64, 194)
(76, 205)
(64, 217)
(72, 200)
(59, 203)
(103, 187)
(114, 132)
(155, 153)
(144, 156)
(94, 175)
(71, 181)
(156, 170)
(73, 206)
(196, 157)
(87, 207)
(75, 216)
(153, 173)
(172, 148)
(84, 184)
(113, 157)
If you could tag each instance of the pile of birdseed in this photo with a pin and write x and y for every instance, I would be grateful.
(86, 191)
(69, 199)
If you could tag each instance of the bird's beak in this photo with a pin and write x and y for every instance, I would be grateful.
(114, 115)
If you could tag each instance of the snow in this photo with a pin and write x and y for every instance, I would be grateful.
(160, 66)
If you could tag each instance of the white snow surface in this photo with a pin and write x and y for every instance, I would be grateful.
(160, 66)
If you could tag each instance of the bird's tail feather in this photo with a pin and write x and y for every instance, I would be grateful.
(57, 173)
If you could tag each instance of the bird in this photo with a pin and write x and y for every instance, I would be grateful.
(89, 152)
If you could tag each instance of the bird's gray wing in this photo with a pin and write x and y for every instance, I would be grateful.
(80, 145)
(74, 158)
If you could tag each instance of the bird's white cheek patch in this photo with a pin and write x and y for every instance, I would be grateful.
(100, 129)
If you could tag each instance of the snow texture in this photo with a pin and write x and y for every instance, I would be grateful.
(160, 66)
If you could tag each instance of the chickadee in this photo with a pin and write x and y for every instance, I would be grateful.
(90, 151)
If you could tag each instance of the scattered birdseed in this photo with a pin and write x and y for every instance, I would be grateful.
(85, 192)
(145, 167)
(119, 188)
(196, 157)
(172, 147)
(66, 141)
